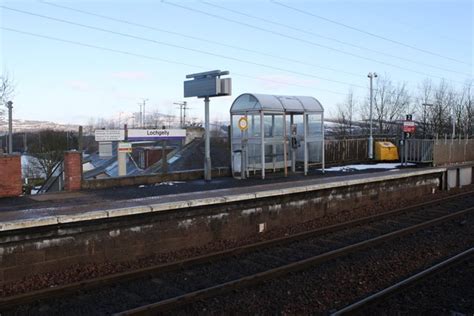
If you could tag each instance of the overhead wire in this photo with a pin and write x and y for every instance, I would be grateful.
(218, 43)
(367, 32)
(301, 40)
(329, 38)
(169, 61)
(180, 47)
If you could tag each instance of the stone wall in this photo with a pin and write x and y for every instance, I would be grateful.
(51, 248)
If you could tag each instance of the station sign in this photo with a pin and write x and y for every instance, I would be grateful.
(243, 123)
(409, 127)
(124, 147)
(109, 135)
(155, 134)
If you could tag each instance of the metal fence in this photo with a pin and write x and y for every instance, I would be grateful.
(349, 150)
(450, 151)
(418, 150)
(439, 151)
(345, 150)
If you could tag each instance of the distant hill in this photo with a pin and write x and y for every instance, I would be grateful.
(33, 125)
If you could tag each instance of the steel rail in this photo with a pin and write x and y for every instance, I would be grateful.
(64, 290)
(410, 281)
(167, 304)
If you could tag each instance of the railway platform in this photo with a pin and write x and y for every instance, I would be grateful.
(45, 233)
(68, 207)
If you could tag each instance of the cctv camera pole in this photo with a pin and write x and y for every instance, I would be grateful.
(207, 145)
(10, 126)
(205, 85)
(371, 138)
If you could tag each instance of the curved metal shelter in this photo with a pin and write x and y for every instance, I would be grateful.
(273, 132)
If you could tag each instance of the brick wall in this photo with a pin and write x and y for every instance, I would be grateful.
(35, 251)
(72, 170)
(10, 175)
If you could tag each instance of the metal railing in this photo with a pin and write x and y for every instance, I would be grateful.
(418, 150)
(55, 181)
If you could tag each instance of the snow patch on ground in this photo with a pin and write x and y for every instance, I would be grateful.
(350, 168)
(170, 183)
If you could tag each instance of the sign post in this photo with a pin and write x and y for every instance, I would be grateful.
(409, 128)
(123, 149)
(155, 134)
(109, 135)
(243, 123)
(205, 85)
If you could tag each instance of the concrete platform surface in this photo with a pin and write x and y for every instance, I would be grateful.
(51, 209)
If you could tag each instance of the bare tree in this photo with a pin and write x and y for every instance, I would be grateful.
(49, 150)
(217, 130)
(390, 103)
(32, 169)
(346, 114)
(424, 99)
(469, 104)
(7, 89)
(464, 110)
(440, 113)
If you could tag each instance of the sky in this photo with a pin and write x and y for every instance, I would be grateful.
(145, 49)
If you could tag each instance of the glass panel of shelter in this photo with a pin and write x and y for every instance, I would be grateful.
(315, 139)
(249, 142)
(296, 137)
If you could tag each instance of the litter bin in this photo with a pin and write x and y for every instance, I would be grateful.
(385, 151)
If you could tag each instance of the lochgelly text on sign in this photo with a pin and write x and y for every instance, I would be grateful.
(155, 134)
(109, 135)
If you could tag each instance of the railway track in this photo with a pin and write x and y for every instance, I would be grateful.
(376, 298)
(169, 286)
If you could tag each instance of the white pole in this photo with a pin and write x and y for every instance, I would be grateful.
(293, 150)
(285, 150)
(207, 145)
(262, 140)
(371, 139)
(305, 133)
(323, 143)
(122, 162)
(144, 114)
(140, 120)
(454, 124)
(184, 114)
(10, 126)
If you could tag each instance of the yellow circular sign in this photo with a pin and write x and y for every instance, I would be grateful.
(243, 124)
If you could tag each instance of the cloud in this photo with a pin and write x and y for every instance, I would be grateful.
(131, 75)
(79, 85)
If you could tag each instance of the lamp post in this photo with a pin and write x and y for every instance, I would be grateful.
(453, 120)
(371, 138)
(10, 126)
(143, 113)
(424, 117)
(182, 113)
